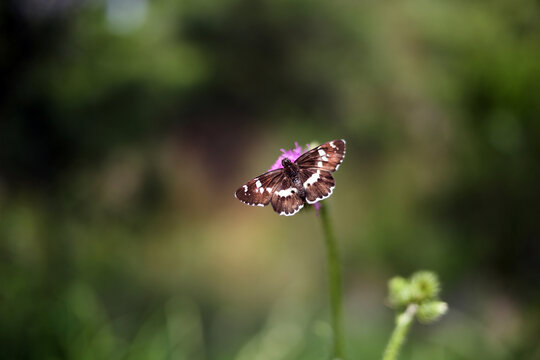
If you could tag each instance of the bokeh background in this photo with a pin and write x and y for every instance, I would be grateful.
(126, 126)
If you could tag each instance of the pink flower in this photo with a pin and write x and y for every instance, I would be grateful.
(292, 155)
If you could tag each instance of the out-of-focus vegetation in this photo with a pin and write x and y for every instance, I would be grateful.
(126, 126)
(413, 298)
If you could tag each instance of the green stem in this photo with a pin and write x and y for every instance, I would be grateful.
(334, 284)
(403, 324)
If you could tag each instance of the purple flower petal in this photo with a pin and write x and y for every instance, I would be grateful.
(317, 207)
(292, 155)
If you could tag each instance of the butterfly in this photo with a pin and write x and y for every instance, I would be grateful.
(308, 179)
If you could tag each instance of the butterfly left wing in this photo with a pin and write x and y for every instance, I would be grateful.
(326, 157)
(285, 199)
(258, 191)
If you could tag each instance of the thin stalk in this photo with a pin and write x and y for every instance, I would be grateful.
(334, 284)
(403, 324)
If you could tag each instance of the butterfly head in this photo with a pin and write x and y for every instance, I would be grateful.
(286, 162)
(289, 167)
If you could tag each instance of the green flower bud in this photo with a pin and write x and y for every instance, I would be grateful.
(399, 292)
(431, 311)
(424, 286)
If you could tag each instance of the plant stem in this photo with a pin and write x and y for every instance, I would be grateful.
(334, 284)
(403, 323)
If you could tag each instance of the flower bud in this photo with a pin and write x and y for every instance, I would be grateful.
(424, 286)
(399, 292)
(431, 311)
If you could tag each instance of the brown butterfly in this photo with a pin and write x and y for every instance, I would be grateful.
(308, 179)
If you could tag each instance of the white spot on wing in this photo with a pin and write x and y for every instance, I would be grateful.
(245, 188)
(258, 183)
(320, 164)
(322, 152)
(286, 192)
(312, 179)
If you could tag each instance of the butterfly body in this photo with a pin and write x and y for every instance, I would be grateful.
(292, 171)
(307, 179)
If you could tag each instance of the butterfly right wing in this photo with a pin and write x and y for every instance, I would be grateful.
(326, 157)
(315, 167)
(258, 191)
(318, 184)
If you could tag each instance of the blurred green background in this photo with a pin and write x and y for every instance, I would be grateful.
(126, 126)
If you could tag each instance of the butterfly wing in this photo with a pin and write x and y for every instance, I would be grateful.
(326, 157)
(318, 184)
(315, 167)
(285, 199)
(258, 191)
